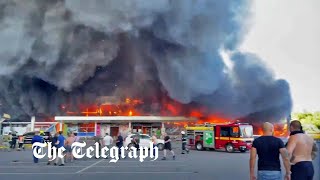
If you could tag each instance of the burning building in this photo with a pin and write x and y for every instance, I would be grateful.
(169, 58)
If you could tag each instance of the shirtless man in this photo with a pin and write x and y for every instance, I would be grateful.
(301, 147)
(268, 148)
(70, 140)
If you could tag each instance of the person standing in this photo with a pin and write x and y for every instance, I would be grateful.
(53, 139)
(268, 148)
(97, 139)
(119, 143)
(76, 139)
(13, 141)
(184, 143)
(36, 139)
(20, 142)
(167, 146)
(59, 144)
(10, 137)
(107, 141)
(302, 149)
(154, 142)
(70, 140)
(135, 141)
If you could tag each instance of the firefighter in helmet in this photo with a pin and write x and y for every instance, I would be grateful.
(184, 142)
(41, 133)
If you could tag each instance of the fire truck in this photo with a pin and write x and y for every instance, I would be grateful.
(231, 136)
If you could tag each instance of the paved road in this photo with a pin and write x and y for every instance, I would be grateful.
(206, 165)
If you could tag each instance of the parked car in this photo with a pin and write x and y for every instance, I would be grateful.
(144, 141)
(29, 135)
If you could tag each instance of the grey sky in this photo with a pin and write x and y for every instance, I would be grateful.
(286, 34)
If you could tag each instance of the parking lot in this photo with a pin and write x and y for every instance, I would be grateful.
(203, 165)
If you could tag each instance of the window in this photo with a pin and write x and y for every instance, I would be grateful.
(246, 131)
(86, 127)
(144, 137)
(134, 136)
(235, 132)
(29, 134)
(225, 131)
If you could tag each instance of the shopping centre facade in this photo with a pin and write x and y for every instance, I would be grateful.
(100, 125)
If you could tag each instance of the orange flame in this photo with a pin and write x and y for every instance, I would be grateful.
(163, 106)
(280, 130)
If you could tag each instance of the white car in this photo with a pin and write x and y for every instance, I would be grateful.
(144, 141)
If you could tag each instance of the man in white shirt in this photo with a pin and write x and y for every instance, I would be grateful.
(107, 141)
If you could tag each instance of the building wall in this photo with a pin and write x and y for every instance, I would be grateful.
(20, 130)
(100, 129)
(106, 128)
(124, 129)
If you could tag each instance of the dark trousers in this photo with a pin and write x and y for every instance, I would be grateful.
(13, 144)
(302, 171)
(184, 148)
(20, 145)
(35, 160)
(119, 146)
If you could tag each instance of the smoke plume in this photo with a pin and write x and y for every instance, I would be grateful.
(54, 52)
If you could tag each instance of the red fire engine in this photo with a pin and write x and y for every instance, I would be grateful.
(231, 137)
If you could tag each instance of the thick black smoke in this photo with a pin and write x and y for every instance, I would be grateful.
(55, 52)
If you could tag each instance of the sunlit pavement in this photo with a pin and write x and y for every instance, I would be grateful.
(204, 165)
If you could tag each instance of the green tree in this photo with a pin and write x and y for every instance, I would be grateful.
(308, 118)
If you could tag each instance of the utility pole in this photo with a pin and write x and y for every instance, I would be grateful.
(33, 120)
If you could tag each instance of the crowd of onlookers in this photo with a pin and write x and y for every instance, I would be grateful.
(11, 141)
(59, 141)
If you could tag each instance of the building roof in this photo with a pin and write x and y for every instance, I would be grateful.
(20, 123)
(124, 118)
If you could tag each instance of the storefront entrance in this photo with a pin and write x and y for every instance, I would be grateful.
(114, 131)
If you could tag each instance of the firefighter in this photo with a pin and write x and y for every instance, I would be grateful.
(42, 133)
(20, 142)
(184, 143)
